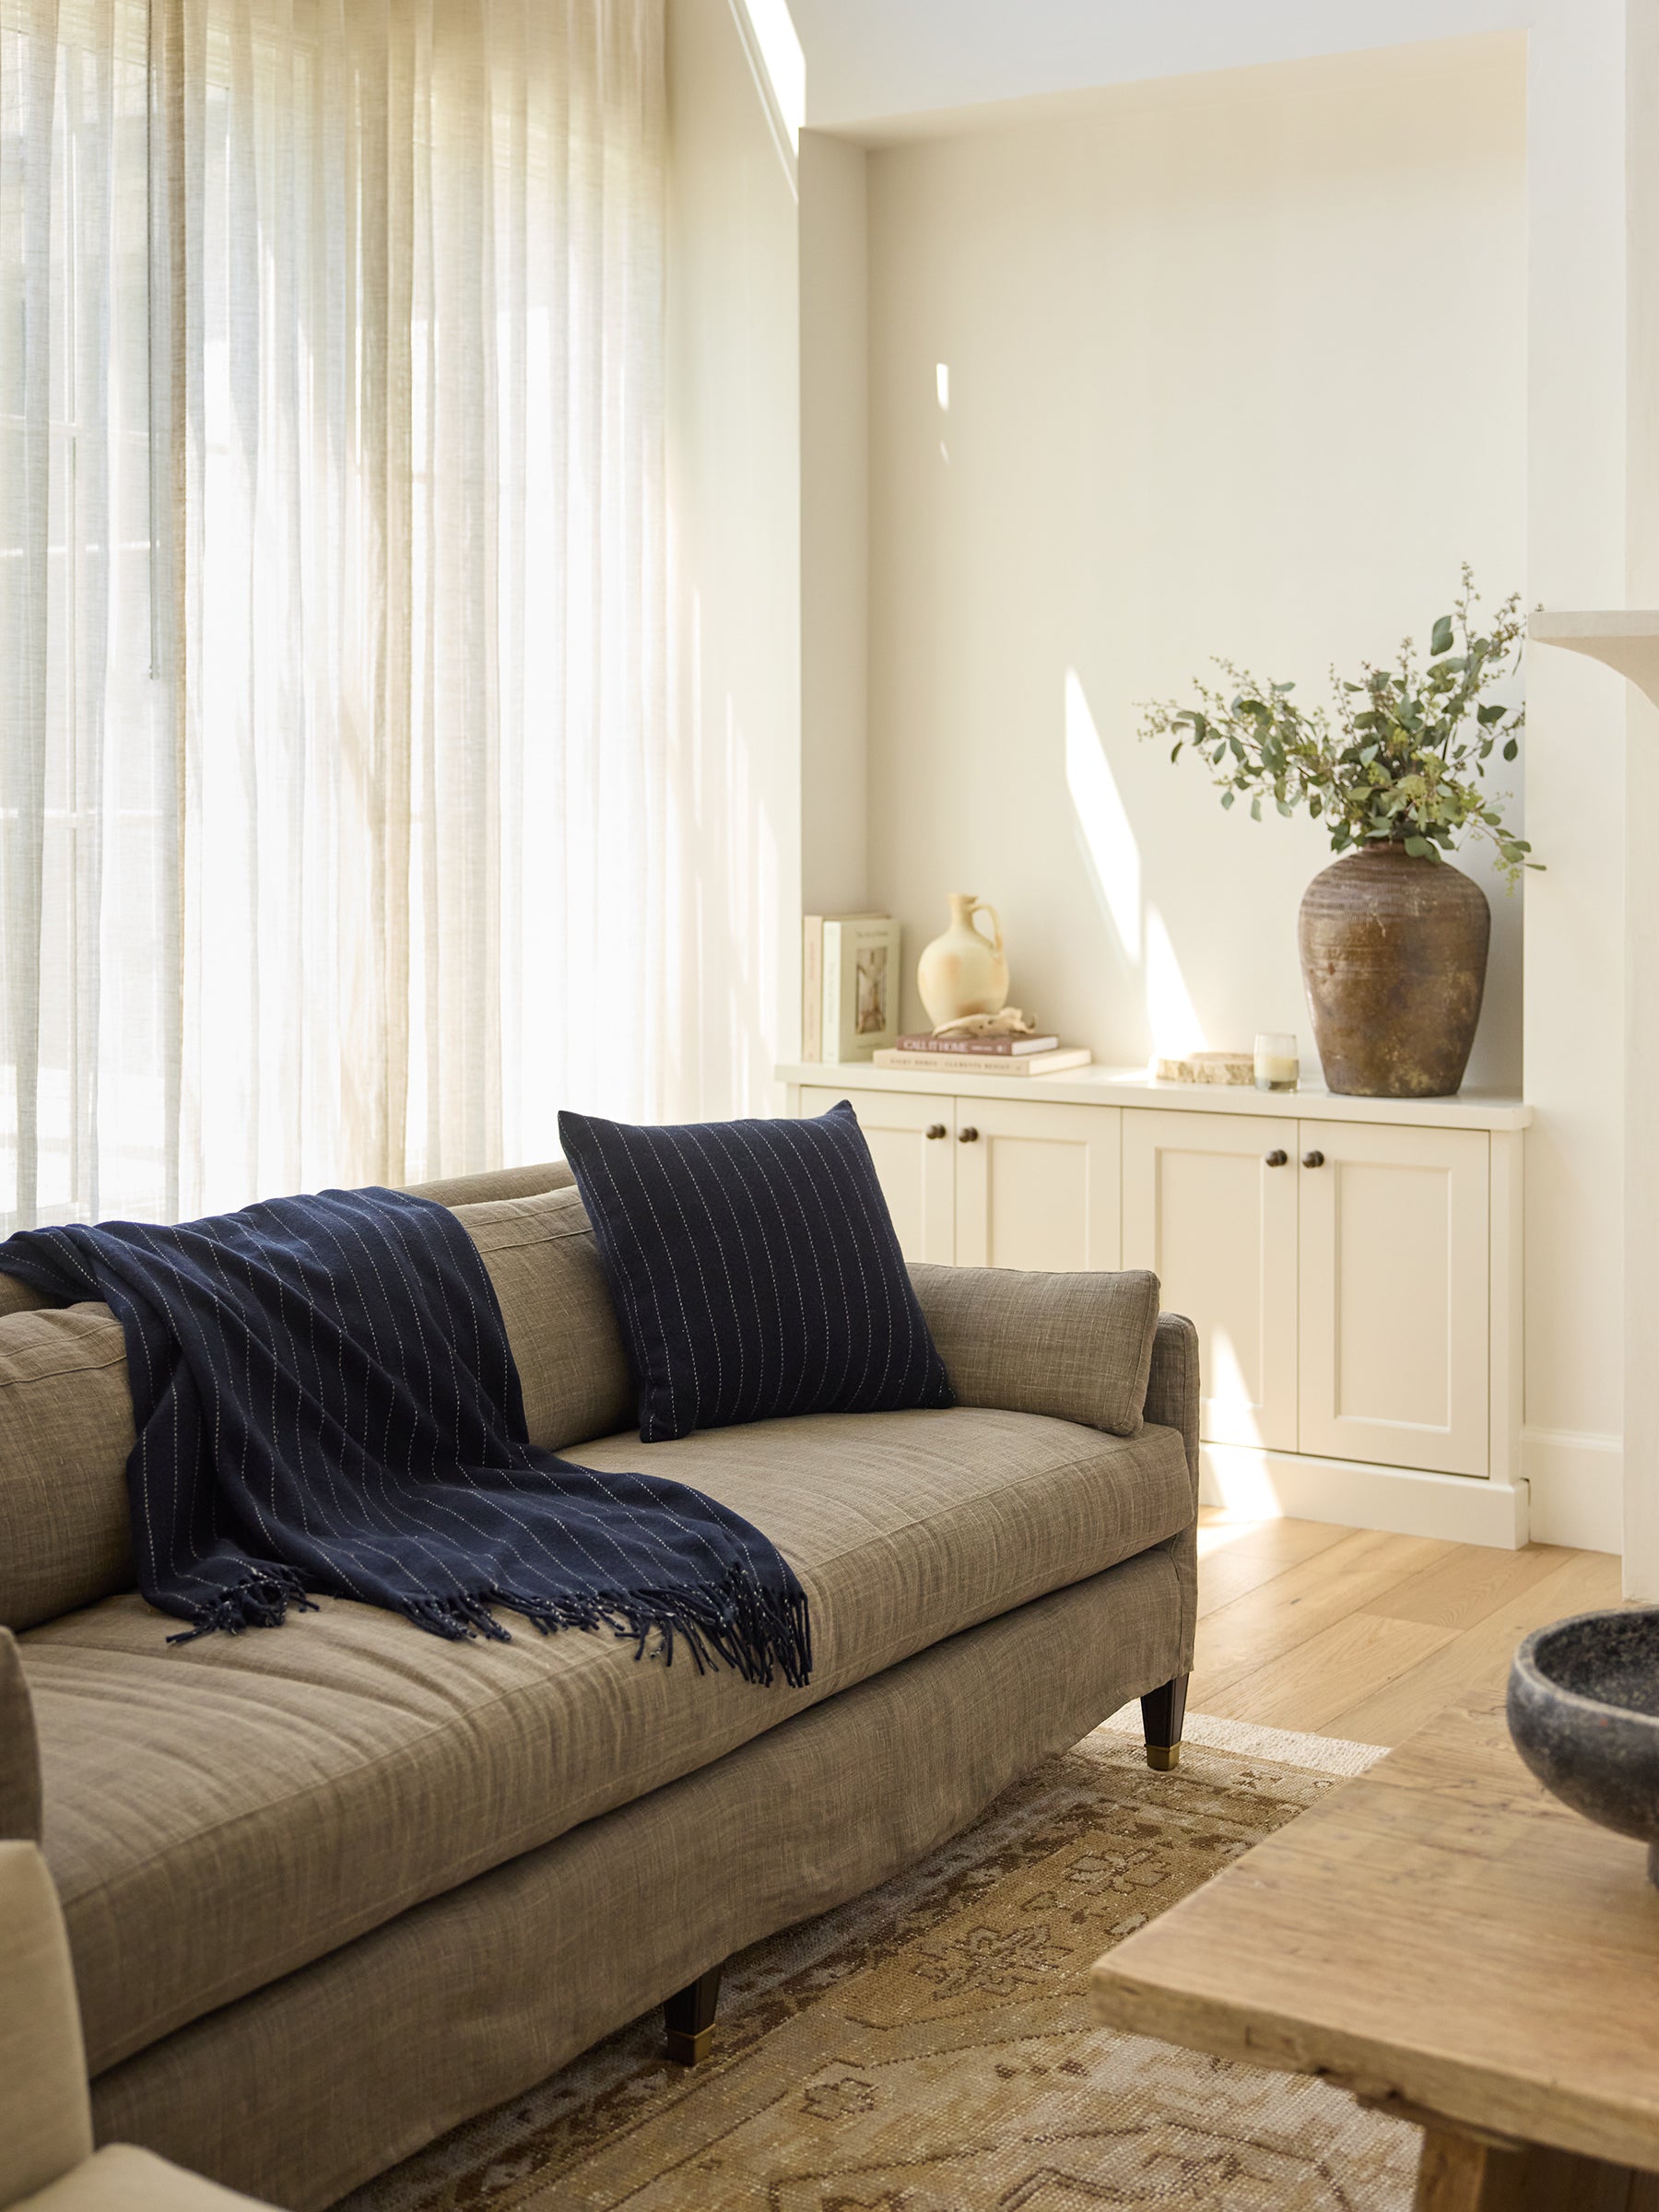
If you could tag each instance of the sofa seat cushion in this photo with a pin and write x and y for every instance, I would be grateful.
(222, 1812)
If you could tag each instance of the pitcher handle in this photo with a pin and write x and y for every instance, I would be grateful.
(983, 906)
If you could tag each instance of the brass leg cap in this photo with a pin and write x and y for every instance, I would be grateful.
(1163, 1757)
(691, 2049)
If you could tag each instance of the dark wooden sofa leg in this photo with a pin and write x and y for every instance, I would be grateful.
(689, 2019)
(1163, 1715)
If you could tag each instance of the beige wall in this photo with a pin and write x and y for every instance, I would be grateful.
(1237, 365)
(735, 585)
(1246, 363)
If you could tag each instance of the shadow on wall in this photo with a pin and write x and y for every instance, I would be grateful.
(1107, 838)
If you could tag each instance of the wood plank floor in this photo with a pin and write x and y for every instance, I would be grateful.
(1342, 1631)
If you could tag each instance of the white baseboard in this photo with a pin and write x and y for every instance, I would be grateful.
(1271, 1485)
(1577, 1481)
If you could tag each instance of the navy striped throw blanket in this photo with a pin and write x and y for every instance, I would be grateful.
(326, 1402)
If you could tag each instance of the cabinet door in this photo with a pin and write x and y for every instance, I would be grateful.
(1209, 1202)
(1396, 1295)
(1036, 1184)
(911, 1141)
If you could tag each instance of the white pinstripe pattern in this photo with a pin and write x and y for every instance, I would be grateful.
(752, 1247)
(383, 1455)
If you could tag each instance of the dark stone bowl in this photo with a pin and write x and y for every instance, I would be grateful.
(1584, 1711)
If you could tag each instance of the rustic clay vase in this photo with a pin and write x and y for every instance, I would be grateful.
(1393, 954)
(964, 972)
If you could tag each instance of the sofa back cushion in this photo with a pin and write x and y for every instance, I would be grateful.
(66, 1430)
(543, 1262)
(66, 1415)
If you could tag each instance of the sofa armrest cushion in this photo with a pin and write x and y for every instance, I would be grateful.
(1076, 1346)
(1173, 1385)
(19, 1751)
(45, 2115)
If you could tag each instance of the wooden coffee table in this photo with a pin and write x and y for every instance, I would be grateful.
(1445, 1940)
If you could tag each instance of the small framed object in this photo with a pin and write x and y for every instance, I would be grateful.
(861, 979)
(1277, 1066)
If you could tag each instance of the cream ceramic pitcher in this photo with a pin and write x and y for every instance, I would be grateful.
(964, 972)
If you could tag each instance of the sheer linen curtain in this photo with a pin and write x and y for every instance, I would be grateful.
(370, 795)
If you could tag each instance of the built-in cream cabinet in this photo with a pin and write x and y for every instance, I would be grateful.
(1354, 1280)
(1209, 1205)
(989, 1182)
(1394, 1295)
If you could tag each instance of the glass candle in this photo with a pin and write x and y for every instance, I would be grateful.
(1276, 1066)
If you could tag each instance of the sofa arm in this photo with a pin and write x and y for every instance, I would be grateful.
(46, 2114)
(1173, 1385)
(1077, 1347)
(19, 1750)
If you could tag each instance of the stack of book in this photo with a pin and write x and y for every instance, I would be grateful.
(985, 1055)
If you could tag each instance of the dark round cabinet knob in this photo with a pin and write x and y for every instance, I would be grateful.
(1276, 1159)
(937, 1130)
(1312, 1160)
(967, 1136)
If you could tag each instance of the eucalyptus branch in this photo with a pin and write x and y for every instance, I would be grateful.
(1405, 758)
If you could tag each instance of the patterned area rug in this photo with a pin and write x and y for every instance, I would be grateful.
(929, 2047)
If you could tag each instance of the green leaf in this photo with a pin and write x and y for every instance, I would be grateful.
(1419, 848)
(1176, 754)
(1511, 749)
(1256, 810)
(1441, 640)
(1492, 713)
(1227, 797)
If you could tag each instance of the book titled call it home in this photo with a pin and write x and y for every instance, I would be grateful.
(850, 986)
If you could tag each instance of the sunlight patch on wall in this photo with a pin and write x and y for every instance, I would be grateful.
(1115, 860)
(1114, 852)
(1176, 1028)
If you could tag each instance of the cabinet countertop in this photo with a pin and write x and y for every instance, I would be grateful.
(1134, 1086)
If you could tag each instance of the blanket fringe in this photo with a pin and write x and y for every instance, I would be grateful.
(260, 1602)
(756, 1632)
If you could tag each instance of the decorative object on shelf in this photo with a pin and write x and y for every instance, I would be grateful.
(1393, 954)
(1392, 939)
(977, 1028)
(1584, 1711)
(1007, 1035)
(990, 1063)
(1234, 1069)
(861, 986)
(1277, 1065)
(964, 972)
(812, 977)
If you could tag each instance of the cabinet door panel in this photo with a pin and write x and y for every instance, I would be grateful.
(916, 1171)
(1395, 1296)
(1205, 1209)
(1036, 1184)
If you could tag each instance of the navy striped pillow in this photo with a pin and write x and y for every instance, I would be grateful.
(753, 1269)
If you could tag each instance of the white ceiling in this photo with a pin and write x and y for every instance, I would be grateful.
(870, 62)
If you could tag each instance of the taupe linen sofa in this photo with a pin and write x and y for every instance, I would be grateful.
(333, 1888)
